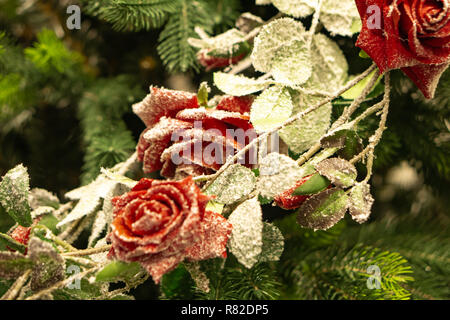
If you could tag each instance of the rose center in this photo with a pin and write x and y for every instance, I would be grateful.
(150, 217)
(433, 14)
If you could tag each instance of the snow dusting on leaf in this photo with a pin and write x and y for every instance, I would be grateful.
(291, 65)
(246, 238)
(14, 193)
(200, 278)
(271, 108)
(277, 174)
(273, 37)
(361, 202)
(99, 225)
(323, 210)
(339, 171)
(48, 265)
(238, 85)
(41, 197)
(304, 133)
(342, 19)
(233, 184)
(273, 243)
(13, 264)
(296, 8)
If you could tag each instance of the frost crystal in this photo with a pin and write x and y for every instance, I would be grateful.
(277, 174)
(246, 238)
(343, 19)
(296, 8)
(233, 184)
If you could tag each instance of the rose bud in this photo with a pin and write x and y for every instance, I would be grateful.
(411, 35)
(212, 59)
(160, 223)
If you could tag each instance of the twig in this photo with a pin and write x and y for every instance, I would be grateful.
(17, 285)
(375, 139)
(86, 252)
(288, 122)
(62, 283)
(315, 22)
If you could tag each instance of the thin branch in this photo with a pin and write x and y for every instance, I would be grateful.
(12, 292)
(87, 252)
(299, 116)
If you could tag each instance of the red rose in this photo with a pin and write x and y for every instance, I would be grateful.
(185, 136)
(22, 234)
(287, 201)
(161, 223)
(412, 35)
(210, 62)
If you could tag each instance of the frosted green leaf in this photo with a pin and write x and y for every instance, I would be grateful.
(361, 201)
(234, 183)
(98, 226)
(223, 43)
(48, 265)
(296, 8)
(14, 193)
(119, 271)
(314, 184)
(277, 174)
(12, 243)
(238, 85)
(272, 38)
(356, 90)
(41, 197)
(130, 183)
(214, 207)
(339, 171)
(273, 243)
(330, 68)
(246, 238)
(309, 167)
(272, 108)
(340, 19)
(304, 133)
(13, 264)
(291, 65)
(202, 94)
(323, 210)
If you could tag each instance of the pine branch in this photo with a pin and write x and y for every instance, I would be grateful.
(174, 49)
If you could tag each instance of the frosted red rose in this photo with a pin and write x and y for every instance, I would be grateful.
(287, 201)
(413, 35)
(161, 223)
(179, 131)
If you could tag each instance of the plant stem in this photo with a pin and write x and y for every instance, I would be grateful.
(12, 292)
(87, 252)
(299, 116)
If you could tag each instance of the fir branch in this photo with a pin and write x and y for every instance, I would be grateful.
(174, 49)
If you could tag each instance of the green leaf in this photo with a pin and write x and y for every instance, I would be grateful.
(214, 207)
(238, 85)
(13, 264)
(274, 37)
(273, 243)
(361, 202)
(233, 184)
(50, 221)
(12, 243)
(270, 109)
(177, 284)
(119, 271)
(343, 19)
(348, 141)
(364, 54)
(304, 133)
(202, 94)
(339, 171)
(296, 8)
(323, 210)
(48, 265)
(291, 65)
(316, 183)
(277, 174)
(14, 191)
(43, 198)
(246, 239)
(356, 90)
